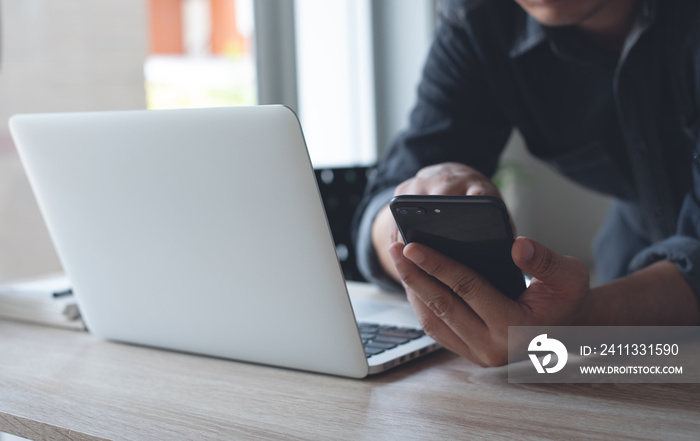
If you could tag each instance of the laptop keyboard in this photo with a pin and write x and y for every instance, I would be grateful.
(379, 338)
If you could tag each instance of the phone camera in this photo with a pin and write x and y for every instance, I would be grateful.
(408, 211)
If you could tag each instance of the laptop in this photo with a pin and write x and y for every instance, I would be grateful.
(203, 231)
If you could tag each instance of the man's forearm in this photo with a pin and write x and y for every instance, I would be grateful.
(656, 295)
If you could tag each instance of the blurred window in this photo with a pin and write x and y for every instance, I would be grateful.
(201, 54)
(335, 81)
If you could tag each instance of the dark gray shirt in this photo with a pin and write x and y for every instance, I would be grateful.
(625, 126)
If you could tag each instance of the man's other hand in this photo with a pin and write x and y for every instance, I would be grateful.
(449, 178)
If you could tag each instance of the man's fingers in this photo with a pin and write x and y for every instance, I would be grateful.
(438, 330)
(448, 179)
(487, 302)
(444, 305)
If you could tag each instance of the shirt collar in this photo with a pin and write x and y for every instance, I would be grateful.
(648, 12)
(530, 33)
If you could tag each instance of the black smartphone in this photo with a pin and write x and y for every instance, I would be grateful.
(473, 230)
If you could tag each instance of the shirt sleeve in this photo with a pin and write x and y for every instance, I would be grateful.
(683, 248)
(455, 119)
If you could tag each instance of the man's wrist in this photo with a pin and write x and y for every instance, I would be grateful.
(585, 314)
(367, 255)
(657, 295)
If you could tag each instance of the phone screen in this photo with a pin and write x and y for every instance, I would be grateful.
(473, 230)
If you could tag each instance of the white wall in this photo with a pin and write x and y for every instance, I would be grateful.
(66, 55)
(551, 209)
(403, 31)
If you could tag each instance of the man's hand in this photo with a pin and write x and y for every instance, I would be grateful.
(466, 314)
(449, 178)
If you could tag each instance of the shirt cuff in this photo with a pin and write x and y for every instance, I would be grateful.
(684, 251)
(367, 260)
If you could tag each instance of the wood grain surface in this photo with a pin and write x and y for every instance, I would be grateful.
(66, 385)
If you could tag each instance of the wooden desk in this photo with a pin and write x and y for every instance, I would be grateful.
(65, 385)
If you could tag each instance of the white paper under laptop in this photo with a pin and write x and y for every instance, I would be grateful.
(199, 230)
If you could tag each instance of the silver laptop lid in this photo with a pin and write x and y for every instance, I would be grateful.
(199, 230)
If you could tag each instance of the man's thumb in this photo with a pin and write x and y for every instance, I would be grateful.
(546, 265)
